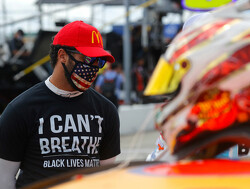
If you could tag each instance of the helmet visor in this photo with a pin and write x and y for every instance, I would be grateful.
(166, 77)
(160, 79)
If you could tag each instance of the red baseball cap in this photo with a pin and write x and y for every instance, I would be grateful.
(84, 37)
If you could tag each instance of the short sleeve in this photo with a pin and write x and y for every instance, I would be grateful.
(12, 135)
(110, 146)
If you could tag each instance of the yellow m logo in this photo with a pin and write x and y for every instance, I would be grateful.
(98, 37)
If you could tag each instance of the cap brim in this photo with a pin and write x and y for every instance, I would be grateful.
(96, 52)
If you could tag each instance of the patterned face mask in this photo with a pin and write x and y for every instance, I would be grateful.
(82, 76)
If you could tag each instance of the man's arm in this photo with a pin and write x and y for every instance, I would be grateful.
(8, 171)
(107, 161)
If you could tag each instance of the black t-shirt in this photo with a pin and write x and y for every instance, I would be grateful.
(51, 134)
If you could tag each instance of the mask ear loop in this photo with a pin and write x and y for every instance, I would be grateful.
(64, 66)
(72, 58)
(68, 75)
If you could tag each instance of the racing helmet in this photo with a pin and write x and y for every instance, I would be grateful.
(204, 79)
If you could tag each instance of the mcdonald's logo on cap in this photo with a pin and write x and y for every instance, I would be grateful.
(98, 36)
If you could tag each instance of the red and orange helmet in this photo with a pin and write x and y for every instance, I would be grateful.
(206, 73)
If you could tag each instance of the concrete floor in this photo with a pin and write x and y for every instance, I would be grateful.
(136, 147)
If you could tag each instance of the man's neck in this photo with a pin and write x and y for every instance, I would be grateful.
(61, 92)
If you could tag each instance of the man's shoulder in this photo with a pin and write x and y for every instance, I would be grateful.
(30, 93)
(95, 95)
(99, 98)
(23, 102)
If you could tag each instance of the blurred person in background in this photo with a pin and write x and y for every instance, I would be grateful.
(17, 46)
(110, 82)
(140, 78)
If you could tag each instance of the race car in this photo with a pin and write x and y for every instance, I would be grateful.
(204, 80)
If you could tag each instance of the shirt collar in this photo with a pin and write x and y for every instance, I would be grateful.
(60, 92)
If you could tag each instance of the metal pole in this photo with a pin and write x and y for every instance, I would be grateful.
(92, 9)
(127, 56)
(145, 28)
(4, 19)
(40, 14)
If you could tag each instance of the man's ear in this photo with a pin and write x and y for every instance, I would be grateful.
(62, 56)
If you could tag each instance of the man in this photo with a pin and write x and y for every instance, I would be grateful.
(139, 78)
(109, 83)
(17, 46)
(62, 123)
